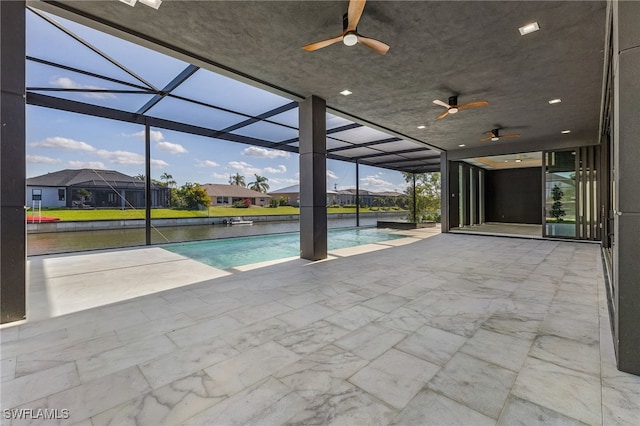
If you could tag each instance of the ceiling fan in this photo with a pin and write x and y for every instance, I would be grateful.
(350, 34)
(495, 136)
(453, 107)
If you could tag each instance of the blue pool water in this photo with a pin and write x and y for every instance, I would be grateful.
(228, 253)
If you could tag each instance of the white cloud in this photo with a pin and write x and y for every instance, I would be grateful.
(280, 169)
(256, 151)
(331, 175)
(42, 159)
(58, 142)
(173, 148)
(87, 165)
(375, 183)
(220, 176)
(126, 157)
(67, 83)
(162, 144)
(158, 163)
(243, 168)
(207, 163)
(154, 135)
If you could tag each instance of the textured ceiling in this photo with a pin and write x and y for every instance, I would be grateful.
(438, 49)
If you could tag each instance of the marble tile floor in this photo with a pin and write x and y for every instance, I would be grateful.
(435, 329)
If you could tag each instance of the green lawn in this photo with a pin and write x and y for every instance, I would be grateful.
(117, 214)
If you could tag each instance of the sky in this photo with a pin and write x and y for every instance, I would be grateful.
(59, 140)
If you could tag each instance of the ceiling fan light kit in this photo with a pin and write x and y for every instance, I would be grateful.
(494, 136)
(453, 107)
(350, 35)
(350, 39)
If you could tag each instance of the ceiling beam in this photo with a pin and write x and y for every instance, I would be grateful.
(177, 81)
(262, 117)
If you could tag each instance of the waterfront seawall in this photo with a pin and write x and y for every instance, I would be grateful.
(95, 225)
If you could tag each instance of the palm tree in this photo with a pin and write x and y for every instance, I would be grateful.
(260, 184)
(168, 180)
(237, 179)
(140, 176)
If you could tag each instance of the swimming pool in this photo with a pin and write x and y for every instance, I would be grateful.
(231, 252)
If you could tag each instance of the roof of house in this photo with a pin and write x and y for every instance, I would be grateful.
(294, 189)
(86, 178)
(222, 190)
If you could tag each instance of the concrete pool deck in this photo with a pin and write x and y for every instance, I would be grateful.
(433, 329)
(66, 283)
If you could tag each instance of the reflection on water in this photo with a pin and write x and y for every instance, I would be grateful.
(65, 242)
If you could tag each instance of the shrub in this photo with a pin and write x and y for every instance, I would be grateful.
(242, 204)
(190, 196)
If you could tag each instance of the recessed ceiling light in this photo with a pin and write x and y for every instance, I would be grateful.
(422, 127)
(529, 28)
(461, 145)
(564, 132)
(518, 160)
(346, 92)
(555, 101)
(129, 2)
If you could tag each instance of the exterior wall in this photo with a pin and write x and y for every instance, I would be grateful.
(50, 196)
(626, 205)
(228, 201)
(292, 197)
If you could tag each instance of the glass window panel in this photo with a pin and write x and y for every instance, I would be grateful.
(421, 154)
(197, 115)
(157, 68)
(356, 152)
(122, 101)
(333, 121)
(398, 145)
(95, 163)
(267, 131)
(560, 194)
(41, 75)
(384, 159)
(218, 90)
(44, 41)
(332, 143)
(290, 118)
(360, 135)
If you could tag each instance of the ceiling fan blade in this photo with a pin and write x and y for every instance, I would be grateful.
(324, 43)
(473, 104)
(486, 139)
(439, 102)
(373, 44)
(443, 115)
(356, 7)
(511, 136)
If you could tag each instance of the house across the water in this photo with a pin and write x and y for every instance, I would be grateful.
(92, 188)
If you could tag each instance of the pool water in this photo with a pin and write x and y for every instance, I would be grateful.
(231, 252)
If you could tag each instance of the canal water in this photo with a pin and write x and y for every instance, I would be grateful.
(67, 242)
